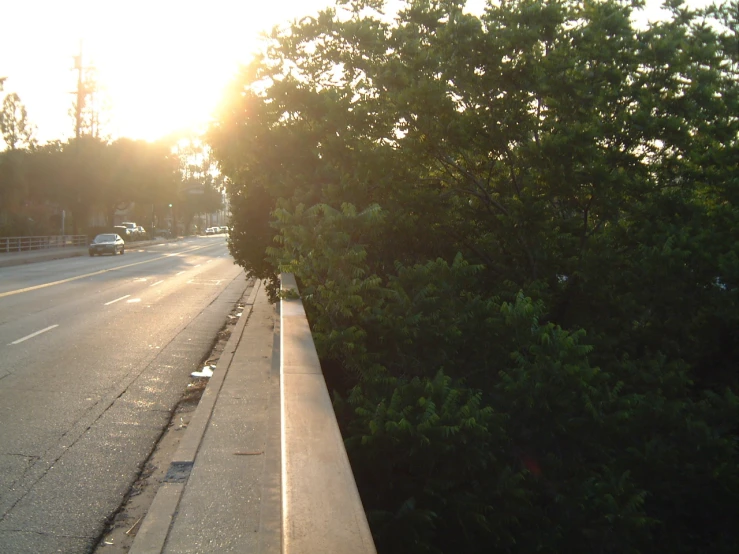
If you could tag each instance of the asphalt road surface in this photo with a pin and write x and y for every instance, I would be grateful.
(94, 354)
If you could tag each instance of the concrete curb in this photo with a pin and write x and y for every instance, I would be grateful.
(196, 429)
(155, 528)
(314, 458)
(270, 517)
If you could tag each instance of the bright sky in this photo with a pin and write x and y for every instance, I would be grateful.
(161, 63)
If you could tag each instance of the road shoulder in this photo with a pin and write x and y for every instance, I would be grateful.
(223, 495)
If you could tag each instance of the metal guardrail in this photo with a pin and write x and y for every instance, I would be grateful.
(27, 244)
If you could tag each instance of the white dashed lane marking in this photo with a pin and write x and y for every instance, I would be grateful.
(213, 282)
(116, 300)
(49, 328)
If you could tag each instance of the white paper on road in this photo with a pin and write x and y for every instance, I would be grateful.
(207, 371)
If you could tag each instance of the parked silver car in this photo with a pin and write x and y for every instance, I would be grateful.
(107, 243)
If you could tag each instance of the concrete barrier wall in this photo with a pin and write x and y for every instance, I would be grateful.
(321, 508)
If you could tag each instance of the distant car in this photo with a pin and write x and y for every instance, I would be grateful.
(142, 232)
(133, 229)
(124, 232)
(211, 230)
(224, 229)
(107, 243)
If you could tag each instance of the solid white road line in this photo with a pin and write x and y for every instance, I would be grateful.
(180, 273)
(49, 328)
(29, 289)
(157, 283)
(116, 300)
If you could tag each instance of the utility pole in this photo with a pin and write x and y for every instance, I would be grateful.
(86, 88)
(80, 94)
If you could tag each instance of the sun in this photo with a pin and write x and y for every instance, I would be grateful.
(162, 65)
(165, 71)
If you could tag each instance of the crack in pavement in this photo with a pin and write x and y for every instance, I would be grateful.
(38, 469)
(30, 456)
(44, 534)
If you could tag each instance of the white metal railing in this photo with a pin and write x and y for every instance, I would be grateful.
(24, 244)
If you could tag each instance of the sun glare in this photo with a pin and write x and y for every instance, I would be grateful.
(161, 64)
(163, 67)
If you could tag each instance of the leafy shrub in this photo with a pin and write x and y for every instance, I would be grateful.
(514, 235)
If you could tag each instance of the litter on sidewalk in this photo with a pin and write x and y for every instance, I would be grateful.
(207, 371)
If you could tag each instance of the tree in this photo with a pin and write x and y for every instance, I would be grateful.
(140, 172)
(514, 238)
(17, 131)
(202, 185)
(196, 198)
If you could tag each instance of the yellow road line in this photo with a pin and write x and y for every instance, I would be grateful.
(36, 287)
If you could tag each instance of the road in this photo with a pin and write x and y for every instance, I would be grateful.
(94, 354)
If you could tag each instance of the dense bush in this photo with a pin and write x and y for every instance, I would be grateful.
(515, 235)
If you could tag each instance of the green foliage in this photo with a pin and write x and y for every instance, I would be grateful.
(515, 237)
(16, 130)
(411, 434)
(81, 175)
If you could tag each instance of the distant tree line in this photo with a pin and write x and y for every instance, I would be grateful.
(515, 235)
(89, 174)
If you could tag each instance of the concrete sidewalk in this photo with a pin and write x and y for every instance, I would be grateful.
(222, 490)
